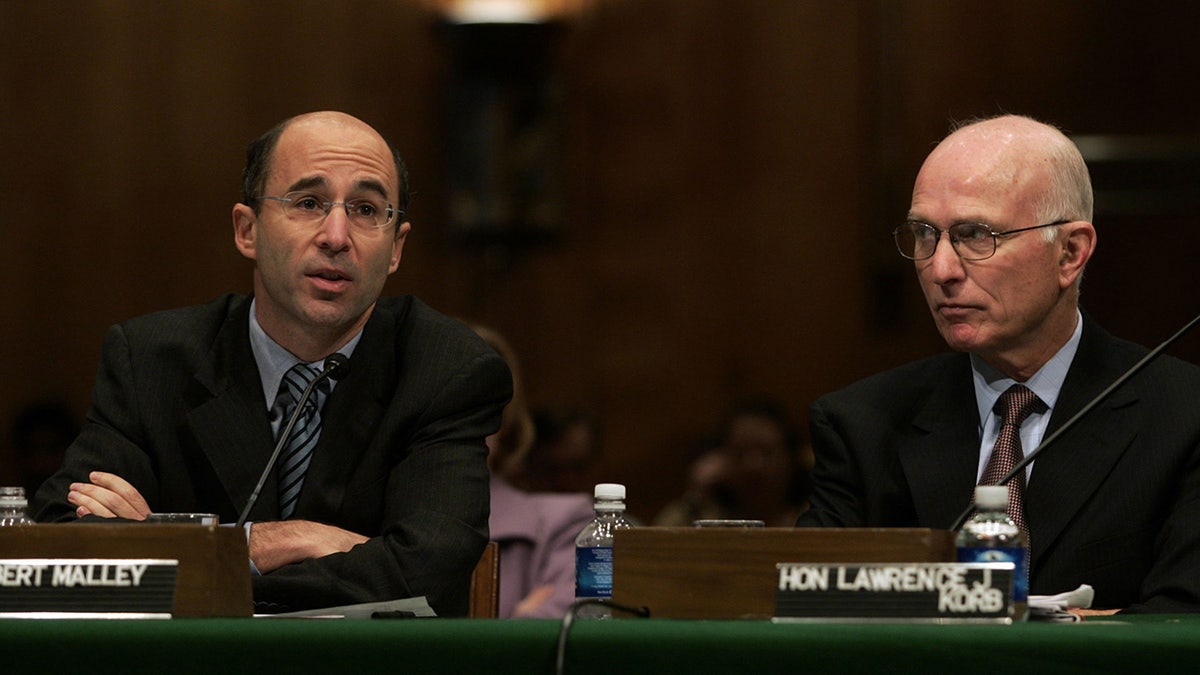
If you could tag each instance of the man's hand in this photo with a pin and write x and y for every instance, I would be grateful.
(278, 543)
(108, 496)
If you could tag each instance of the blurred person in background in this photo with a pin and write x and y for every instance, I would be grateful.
(565, 454)
(756, 468)
(536, 531)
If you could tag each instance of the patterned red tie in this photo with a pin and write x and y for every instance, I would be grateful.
(1014, 406)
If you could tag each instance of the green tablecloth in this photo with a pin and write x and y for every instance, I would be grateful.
(269, 646)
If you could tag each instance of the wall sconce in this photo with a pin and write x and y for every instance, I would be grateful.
(508, 11)
(505, 126)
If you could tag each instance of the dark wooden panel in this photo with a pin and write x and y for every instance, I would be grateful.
(732, 174)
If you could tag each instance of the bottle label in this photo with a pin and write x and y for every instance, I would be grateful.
(1014, 555)
(593, 572)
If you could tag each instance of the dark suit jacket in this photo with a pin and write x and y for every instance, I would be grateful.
(1114, 503)
(178, 410)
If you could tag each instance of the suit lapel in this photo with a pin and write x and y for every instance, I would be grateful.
(940, 452)
(1068, 472)
(229, 421)
(350, 417)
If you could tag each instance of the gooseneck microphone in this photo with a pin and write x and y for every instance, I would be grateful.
(336, 366)
(1133, 370)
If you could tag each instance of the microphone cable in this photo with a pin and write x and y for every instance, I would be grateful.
(568, 620)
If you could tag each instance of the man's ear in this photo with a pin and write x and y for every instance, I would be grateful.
(245, 230)
(398, 245)
(1078, 241)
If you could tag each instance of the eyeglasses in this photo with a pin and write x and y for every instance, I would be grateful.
(972, 241)
(367, 213)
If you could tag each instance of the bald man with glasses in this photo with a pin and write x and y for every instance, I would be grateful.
(999, 232)
(381, 492)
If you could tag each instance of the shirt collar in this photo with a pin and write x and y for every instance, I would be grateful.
(273, 360)
(1047, 382)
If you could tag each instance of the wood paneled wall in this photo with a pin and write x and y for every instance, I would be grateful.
(732, 172)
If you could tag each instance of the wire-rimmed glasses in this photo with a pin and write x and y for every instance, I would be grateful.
(918, 240)
(366, 212)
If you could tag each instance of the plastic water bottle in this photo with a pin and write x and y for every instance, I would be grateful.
(13, 507)
(594, 548)
(991, 536)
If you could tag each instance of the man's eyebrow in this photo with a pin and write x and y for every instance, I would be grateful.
(913, 218)
(373, 186)
(307, 183)
(366, 185)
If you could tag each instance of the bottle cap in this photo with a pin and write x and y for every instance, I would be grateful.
(13, 496)
(991, 496)
(610, 491)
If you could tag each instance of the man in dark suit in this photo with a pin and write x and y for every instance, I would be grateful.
(1115, 502)
(188, 403)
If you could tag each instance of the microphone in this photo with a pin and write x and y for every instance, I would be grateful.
(1133, 370)
(336, 366)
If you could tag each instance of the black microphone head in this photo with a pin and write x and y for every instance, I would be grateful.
(336, 366)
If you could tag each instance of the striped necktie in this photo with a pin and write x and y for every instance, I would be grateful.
(299, 447)
(1015, 405)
